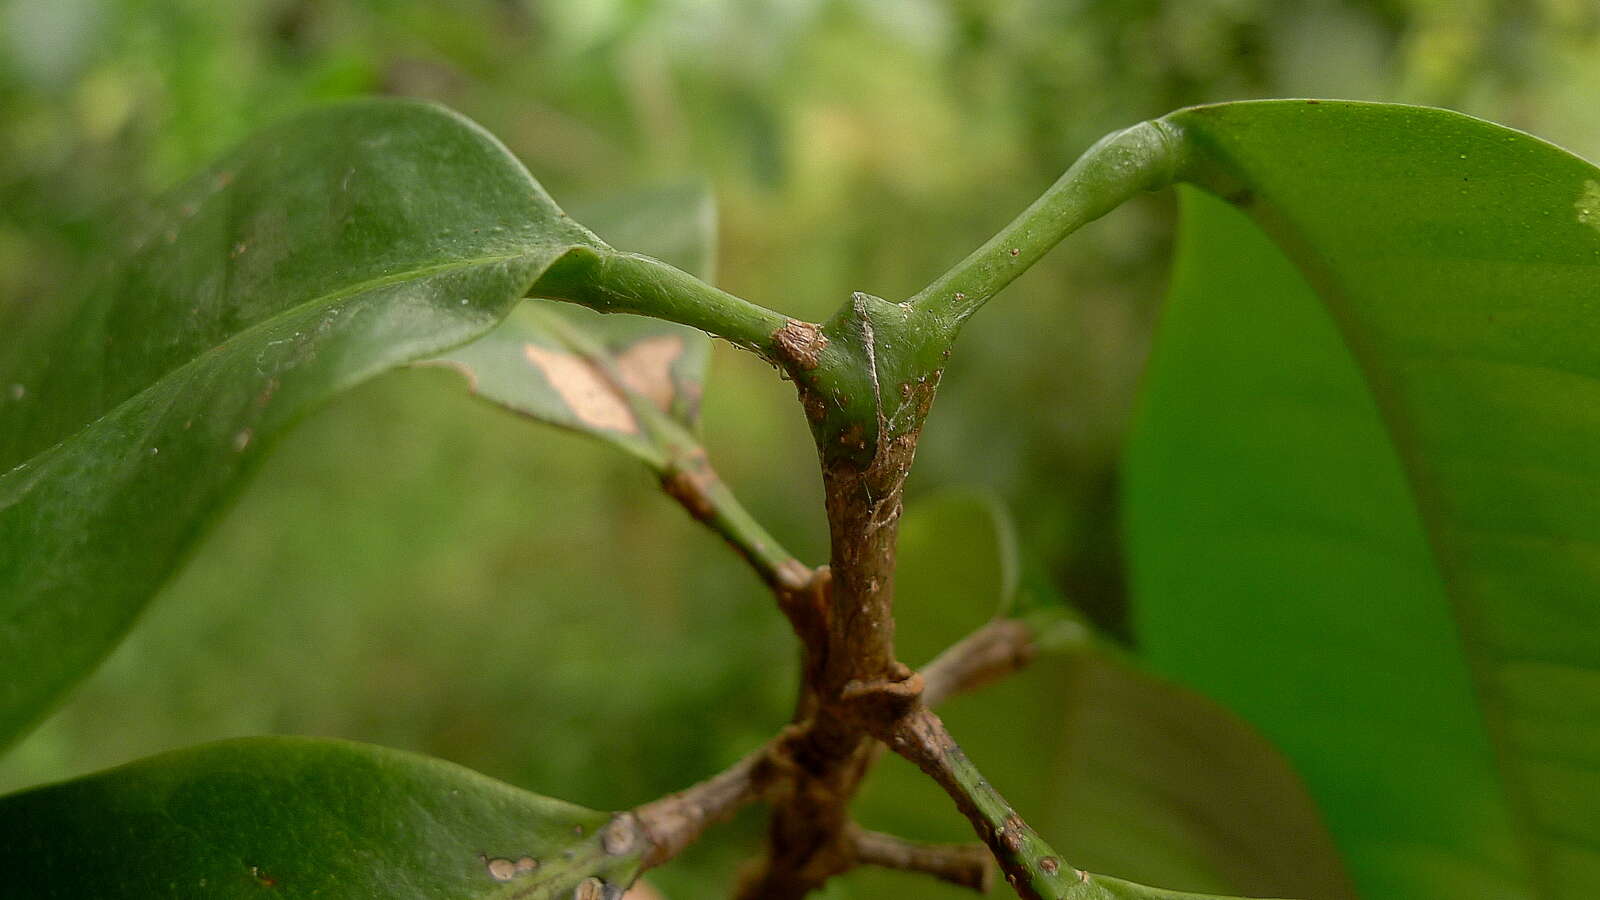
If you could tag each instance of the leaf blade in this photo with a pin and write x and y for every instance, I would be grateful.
(589, 373)
(324, 251)
(306, 817)
(1447, 399)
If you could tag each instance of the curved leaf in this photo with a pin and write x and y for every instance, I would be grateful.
(1373, 532)
(298, 817)
(571, 367)
(324, 251)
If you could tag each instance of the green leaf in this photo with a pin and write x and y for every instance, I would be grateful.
(324, 251)
(958, 568)
(1124, 772)
(1369, 524)
(606, 375)
(299, 817)
(1166, 787)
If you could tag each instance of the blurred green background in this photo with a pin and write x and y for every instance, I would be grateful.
(416, 569)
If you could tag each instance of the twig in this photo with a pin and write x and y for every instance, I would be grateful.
(687, 475)
(965, 865)
(1031, 867)
(992, 652)
(675, 821)
(1120, 165)
(690, 479)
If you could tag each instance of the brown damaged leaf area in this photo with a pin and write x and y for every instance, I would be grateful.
(583, 389)
(594, 394)
(646, 368)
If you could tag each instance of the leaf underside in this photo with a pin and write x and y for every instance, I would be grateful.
(1362, 489)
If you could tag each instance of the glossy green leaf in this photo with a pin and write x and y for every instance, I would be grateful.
(1124, 772)
(577, 369)
(1369, 524)
(299, 817)
(323, 252)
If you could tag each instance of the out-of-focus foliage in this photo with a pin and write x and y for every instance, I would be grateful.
(852, 145)
(1136, 775)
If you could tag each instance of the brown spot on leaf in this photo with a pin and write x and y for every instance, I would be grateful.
(646, 368)
(1050, 865)
(267, 391)
(501, 869)
(584, 391)
(591, 889)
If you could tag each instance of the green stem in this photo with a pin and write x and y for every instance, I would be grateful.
(690, 479)
(611, 282)
(686, 473)
(1032, 868)
(1119, 166)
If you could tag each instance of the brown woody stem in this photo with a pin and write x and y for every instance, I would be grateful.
(987, 655)
(966, 865)
(866, 380)
(675, 821)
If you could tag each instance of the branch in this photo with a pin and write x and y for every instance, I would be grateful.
(1120, 165)
(1001, 647)
(987, 655)
(1032, 868)
(675, 821)
(964, 865)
